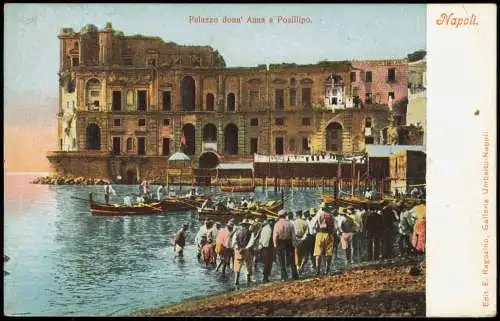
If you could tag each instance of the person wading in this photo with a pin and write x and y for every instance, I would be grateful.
(324, 238)
(285, 242)
(180, 241)
(241, 254)
(222, 246)
(311, 238)
(266, 247)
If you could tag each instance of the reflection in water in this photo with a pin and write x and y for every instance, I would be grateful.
(64, 261)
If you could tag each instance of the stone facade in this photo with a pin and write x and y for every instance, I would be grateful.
(417, 97)
(134, 98)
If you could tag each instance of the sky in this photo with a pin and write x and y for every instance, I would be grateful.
(335, 32)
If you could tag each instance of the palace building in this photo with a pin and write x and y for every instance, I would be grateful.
(126, 103)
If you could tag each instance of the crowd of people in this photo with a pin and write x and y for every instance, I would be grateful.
(316, 236)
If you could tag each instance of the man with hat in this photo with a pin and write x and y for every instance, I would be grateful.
(242, 255)
(266, 247)
(372, 230)
(301, 228)
(285, 241)
(310, 239)
(180, 240)
(222, 246)
(357, 236)
(324, 243)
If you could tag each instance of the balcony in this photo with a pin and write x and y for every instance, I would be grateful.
(209, 146)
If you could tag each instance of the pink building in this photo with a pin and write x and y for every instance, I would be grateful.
(380, 82)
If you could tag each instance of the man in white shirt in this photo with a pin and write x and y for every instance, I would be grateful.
(160, 192)
(266, 247)
(230, 203)
(108, 189)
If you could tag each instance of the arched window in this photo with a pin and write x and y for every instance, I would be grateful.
(231, 102)
(334, 137)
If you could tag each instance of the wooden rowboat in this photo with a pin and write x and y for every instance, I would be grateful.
(181, 204)
(99, 209)
(269, 209)
(237, 189)
(354, 201)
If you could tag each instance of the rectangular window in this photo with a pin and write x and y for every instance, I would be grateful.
(254, 122)
(167, 100)
(67, 104)
(368, 76)
(141, 145)
(279, 121)
(306, 121)
(127, 61)
(306, 97)
(353, 76)
(279, 148)
(279, 100)
(116, 145)
(368, 99)
(74, 142)
(253, 99)
(142, 100)
(305, 144)
(166, 146)
(391, 95)
(117, 122)
(117, 100)
(142, 122)
(293, 96)
(253, 145)
(391, 75)
(75, 61)
(166, 122)
(73, 103)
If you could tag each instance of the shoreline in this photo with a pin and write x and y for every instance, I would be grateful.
(334, 295)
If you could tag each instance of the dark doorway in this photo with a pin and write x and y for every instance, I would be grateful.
(334, 137)
(141, 145)
(208, 160)
(279, 145)
(116, 104)
(130, 177)
(231, 139)
(210, 102)
(166, 146)
(188, 89)
(93, 137)
(253, 145)
(209, 133)
(188, 139)
(117, 142)
(142, 100)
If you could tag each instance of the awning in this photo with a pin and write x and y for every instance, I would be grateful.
(235, 166)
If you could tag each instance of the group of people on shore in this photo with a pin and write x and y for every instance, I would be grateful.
(365, 234)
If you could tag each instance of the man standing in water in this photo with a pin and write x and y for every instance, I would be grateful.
(180, 241)
(242, 255)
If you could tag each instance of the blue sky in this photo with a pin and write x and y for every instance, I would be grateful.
(337, 32)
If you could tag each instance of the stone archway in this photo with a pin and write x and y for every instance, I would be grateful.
(188, 90)
(93, 137)
(208, 160)
(188, 139)
(130, 177)
(231, 139)
(333, 135)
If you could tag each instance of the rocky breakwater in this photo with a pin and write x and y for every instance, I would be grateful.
(61, 180)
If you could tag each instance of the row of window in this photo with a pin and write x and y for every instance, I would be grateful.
(140, 122)
(280, 121)
(368, 75)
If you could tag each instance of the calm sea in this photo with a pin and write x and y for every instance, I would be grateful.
(66, 262)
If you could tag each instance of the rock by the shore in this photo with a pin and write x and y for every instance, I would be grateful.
(61, 180)
(368, 291)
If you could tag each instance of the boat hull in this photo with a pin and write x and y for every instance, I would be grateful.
(109, 210)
